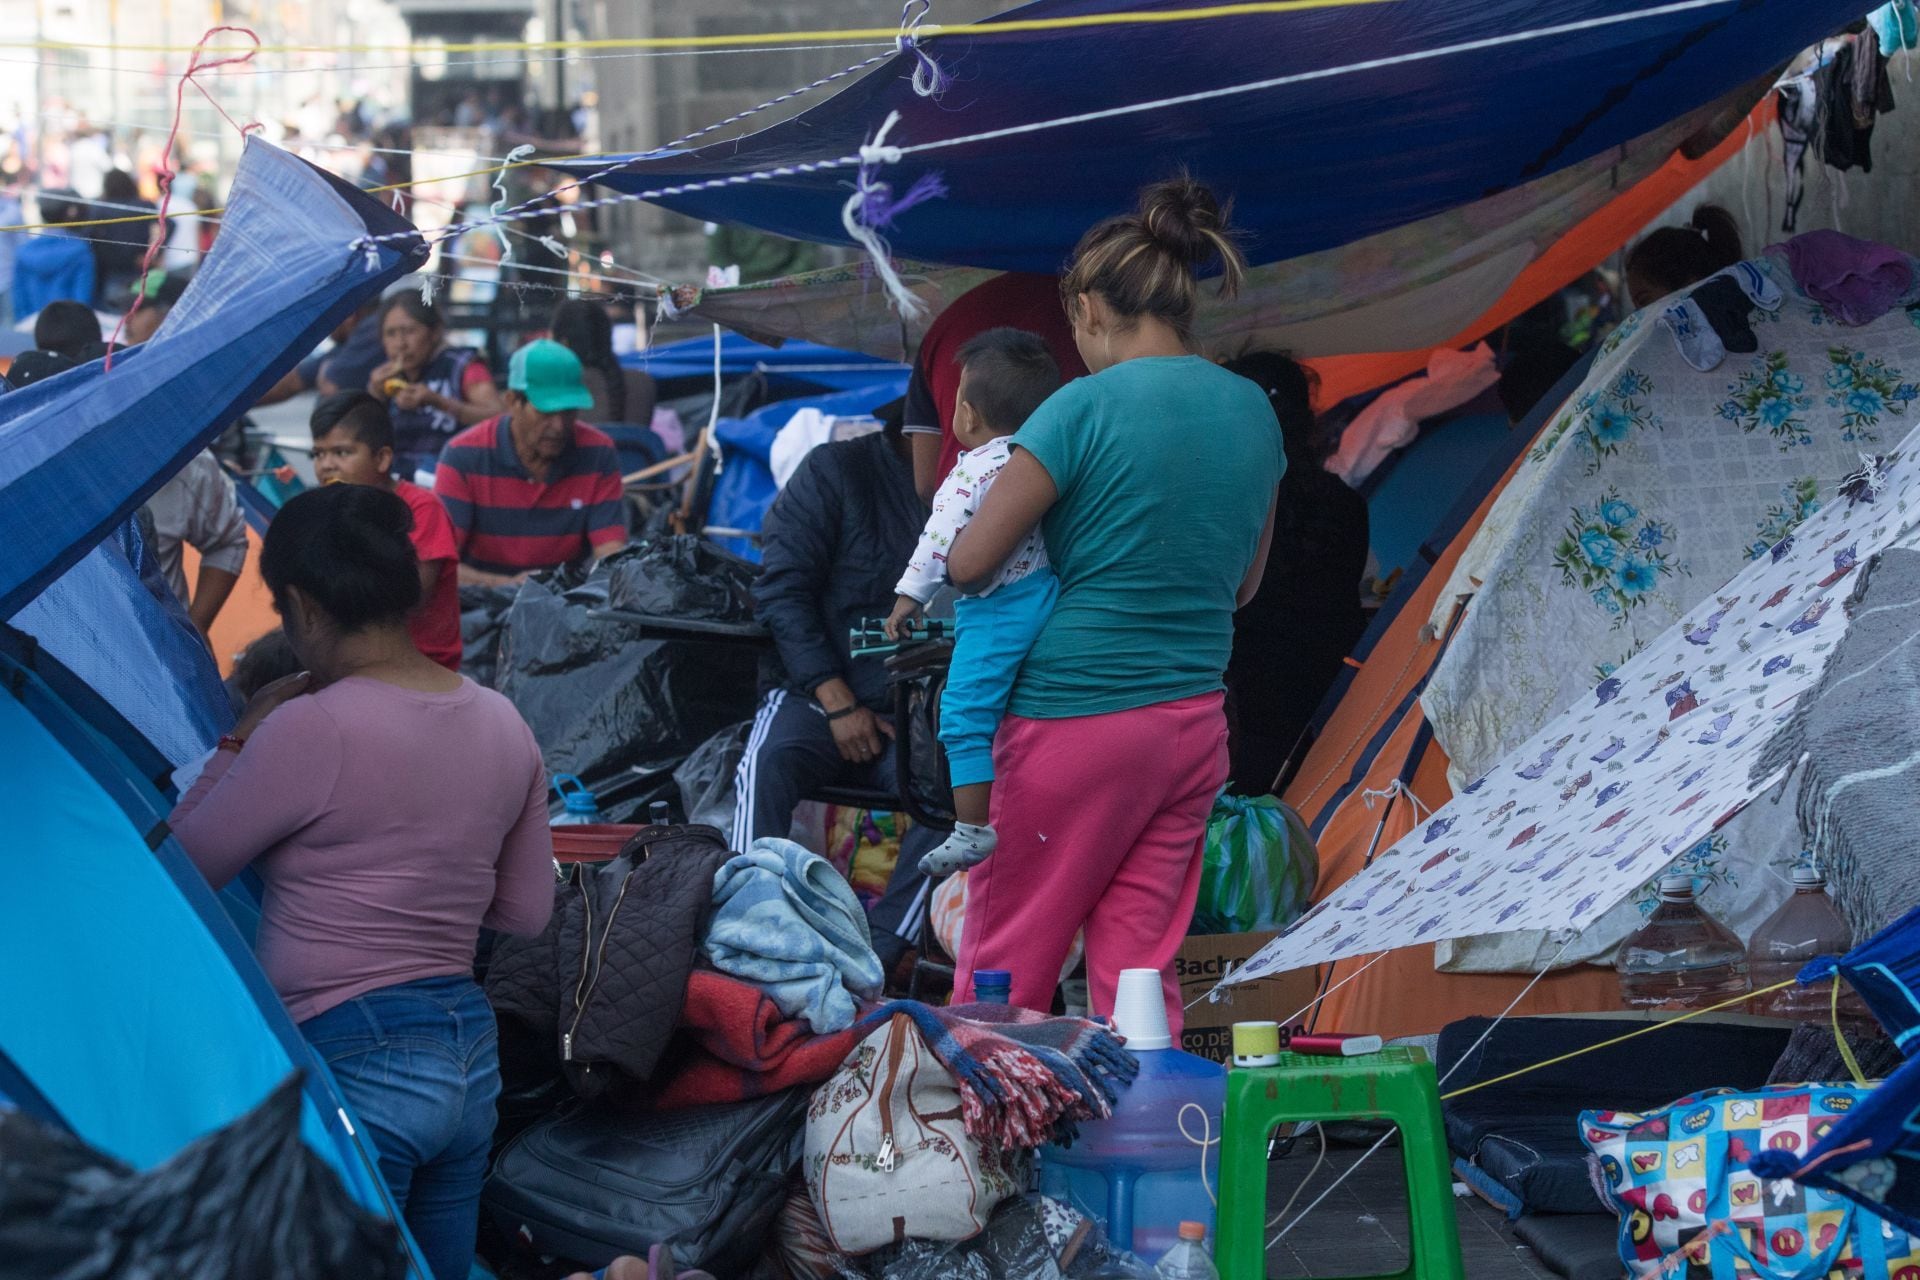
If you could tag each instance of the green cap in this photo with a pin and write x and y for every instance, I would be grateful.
(548, 375)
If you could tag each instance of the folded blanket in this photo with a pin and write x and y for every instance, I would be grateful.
(1024, 1078)
(734, 1044)
(787, 922)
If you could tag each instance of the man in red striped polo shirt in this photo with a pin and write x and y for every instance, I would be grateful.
(533, 488)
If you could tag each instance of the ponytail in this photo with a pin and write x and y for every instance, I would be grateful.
(1672, 258)
(1148, 262)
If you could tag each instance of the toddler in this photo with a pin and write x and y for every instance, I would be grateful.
(1005, 374)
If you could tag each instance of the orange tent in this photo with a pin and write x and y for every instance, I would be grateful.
(1377, 733)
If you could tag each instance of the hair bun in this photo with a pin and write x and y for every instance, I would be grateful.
(1183, 217)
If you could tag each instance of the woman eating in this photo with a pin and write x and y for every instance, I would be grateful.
(392, 808)
(1154, 482)
(432, 390)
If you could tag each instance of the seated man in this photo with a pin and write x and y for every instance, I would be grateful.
(833, 546)
(533, 488)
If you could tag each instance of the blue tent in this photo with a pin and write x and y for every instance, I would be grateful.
(134, 1013)
(1325, 124)
(78, 452)
(802, 363)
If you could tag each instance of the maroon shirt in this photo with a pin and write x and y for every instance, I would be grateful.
(507, 522)
(1013, 301)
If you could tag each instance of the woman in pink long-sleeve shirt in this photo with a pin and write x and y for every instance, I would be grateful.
(391, 808)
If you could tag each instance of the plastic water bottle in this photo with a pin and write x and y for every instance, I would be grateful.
(1805, 927)
(581, 809)
(1681, 958)
(1189, 1259)
(992, 986)
(1155, 1161)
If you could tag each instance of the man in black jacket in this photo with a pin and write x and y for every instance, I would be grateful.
(833, 546)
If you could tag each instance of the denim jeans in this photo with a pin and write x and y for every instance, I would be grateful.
(419, 1063)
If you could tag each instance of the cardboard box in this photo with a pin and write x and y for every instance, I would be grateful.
(1209, 1026)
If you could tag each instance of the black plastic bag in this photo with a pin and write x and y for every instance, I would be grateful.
(681, 577)
(483, 617)
(611, 701)
(244, 1202)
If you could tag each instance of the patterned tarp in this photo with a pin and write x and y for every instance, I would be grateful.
(1655, 484)
(1639, 769)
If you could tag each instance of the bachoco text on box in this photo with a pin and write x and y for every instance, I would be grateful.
(1201, 961)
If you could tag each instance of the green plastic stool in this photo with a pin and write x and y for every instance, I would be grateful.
(1396, 1084)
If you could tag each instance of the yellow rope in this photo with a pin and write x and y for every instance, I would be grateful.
(1631, 1035)
(1839, 1037)
(927, 31)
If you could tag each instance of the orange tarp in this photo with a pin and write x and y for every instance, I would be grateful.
(1403, 994)
(1600, 235)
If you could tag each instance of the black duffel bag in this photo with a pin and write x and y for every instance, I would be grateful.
(589, 1183)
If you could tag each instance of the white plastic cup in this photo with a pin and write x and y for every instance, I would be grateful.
(1140, 1010)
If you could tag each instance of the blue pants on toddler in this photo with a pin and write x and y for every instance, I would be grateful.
(992, 636)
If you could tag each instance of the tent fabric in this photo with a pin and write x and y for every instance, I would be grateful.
(1677, 475)
(78, 452)
(1372, 117)
(1363, 747)
(147, 661)
(161, 1028)
(1445, 281)
(1680, 477)
(1372, 737)
(1597, 802)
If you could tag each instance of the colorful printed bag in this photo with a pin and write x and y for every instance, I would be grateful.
(1259, 867)
(1678, 1178)
(887, 1155)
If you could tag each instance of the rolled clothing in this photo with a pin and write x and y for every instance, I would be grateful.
(992, 636)
(787, 922)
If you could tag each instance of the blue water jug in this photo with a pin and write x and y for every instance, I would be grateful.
(582, 807)
(1155, 1163)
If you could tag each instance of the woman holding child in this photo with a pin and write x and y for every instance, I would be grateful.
(1153, 482)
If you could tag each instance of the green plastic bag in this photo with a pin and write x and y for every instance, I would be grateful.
(1260, 867)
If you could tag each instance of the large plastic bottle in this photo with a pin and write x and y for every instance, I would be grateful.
(1136, 1172)
(1805, 927)
(1189, 1259)
(582, 807)
(1681, 958)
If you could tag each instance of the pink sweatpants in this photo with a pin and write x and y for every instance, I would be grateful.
(1102, 821)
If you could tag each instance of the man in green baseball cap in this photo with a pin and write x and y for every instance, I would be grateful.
(533, 488)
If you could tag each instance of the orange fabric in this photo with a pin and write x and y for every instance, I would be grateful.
(1602, 233)
(1403, 994)
(248, 613)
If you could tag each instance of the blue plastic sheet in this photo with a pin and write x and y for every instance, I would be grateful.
(1370, 116)
(78, 452)
(744, 490)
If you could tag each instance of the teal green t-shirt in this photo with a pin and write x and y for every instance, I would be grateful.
(1166, 468)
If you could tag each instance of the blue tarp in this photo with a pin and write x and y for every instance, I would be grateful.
(804, 362)
(80, 451)
(134, 1014)
(1372, 116)
(744, 489)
